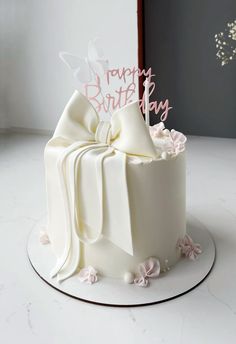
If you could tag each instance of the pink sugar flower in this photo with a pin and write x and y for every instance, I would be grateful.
(156, 130)
(141, 281)
(178, 142)
(88, 275)
(148, 269)
(44, 238)
(188, 248)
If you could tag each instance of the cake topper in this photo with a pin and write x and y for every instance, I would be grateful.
(85, 69)
(109, 89)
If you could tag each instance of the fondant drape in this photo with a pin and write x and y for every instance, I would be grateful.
(91, 168)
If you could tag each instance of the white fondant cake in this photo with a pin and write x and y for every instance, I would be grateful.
(116, 194)
(157, 204)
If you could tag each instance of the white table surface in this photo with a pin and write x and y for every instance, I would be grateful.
(33, 312)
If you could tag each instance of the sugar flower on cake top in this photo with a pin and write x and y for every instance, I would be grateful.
(168, 143)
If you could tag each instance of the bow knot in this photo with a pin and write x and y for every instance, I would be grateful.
(103, 132)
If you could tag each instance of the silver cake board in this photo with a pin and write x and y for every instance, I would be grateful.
(182, 278)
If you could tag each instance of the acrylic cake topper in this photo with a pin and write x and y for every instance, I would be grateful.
(95, 78)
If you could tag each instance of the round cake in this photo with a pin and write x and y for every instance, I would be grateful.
(116, 195)
(157, 204)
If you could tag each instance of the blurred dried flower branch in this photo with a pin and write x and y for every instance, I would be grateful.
(226, 44)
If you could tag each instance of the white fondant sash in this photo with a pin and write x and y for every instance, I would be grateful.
(69, 168)
(61, 167)
(83, 236)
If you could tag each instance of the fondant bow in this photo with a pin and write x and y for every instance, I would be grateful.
(91, 168)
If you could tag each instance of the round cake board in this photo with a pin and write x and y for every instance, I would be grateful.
(182, 278)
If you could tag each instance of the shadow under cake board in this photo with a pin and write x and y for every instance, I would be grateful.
(182, 278)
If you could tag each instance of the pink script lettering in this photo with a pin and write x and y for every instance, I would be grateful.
(124, 94)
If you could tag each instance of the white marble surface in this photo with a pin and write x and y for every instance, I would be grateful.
(35, 313)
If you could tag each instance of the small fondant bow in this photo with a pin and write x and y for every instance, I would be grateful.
(94, 189)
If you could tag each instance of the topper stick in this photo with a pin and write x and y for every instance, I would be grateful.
(146, 98)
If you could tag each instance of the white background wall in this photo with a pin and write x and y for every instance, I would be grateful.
(35, 84)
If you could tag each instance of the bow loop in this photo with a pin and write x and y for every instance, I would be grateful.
(130, 132)
(78, 121)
